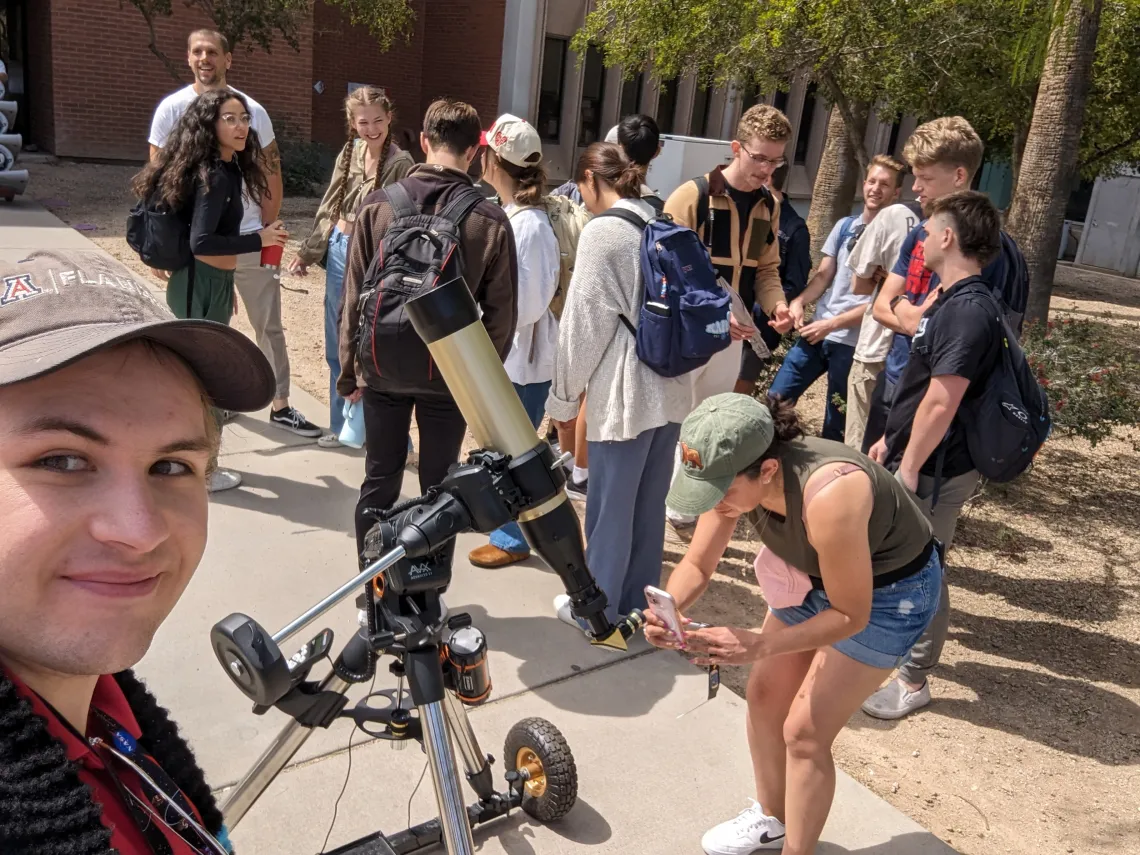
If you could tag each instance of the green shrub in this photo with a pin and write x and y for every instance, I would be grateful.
(302, 165)
(1091, 373)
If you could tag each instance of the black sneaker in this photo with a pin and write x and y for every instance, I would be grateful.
(577, 490)
(290, 419)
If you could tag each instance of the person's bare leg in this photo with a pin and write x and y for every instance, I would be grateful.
(772, 687)
(566, 441)
(834, 688)
(581, 458)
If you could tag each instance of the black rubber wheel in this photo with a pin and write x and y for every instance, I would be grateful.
(538, 746)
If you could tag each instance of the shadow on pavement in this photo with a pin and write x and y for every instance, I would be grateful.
(641, 687)
(915, 843)
(310, 505)
(583, 825)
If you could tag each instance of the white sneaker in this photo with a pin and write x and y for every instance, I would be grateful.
(223, 479)
(562, 609)
(895, 701)
(750, 831)
(329, 440)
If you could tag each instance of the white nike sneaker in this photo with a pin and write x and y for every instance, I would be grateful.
(750, 831)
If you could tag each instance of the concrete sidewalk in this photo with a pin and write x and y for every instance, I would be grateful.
(656, 766)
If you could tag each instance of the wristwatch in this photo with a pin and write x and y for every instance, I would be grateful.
(895, 300)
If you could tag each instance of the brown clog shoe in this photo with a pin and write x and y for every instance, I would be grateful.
(492, 556)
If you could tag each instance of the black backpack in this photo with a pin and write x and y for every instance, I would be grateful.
(1008, 421)
(418, 252)
(161, 237)
(1014, 292)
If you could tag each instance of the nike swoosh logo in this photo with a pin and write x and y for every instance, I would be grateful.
(764, 838)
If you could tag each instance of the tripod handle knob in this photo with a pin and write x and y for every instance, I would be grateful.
(458, 621)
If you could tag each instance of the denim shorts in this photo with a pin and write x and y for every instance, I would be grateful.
(900, 614)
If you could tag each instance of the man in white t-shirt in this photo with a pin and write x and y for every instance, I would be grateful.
(827, 344)
(209, 57)
(872, 259)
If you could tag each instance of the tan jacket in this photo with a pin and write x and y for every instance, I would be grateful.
(356, 187)
(752, 265)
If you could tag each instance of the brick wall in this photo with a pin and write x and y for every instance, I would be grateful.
(463, 54)
(106, 83)
(344, 54)
(38, 76)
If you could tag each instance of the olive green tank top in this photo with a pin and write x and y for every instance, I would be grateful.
(898, 531)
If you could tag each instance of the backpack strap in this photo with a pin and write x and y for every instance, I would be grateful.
(401, 202)
(636, 221)
(630, 217)
(463, 204)
(702, 182)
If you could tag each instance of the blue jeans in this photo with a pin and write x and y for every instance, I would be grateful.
(510, 538)
(334, 297)
(900, 614)
(625, 515)
(806, 363)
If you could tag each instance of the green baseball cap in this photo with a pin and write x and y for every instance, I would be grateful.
(719, 439)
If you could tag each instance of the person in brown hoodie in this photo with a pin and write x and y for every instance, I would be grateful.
(450, 140)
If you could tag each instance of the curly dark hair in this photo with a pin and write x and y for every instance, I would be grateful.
(788, 427)
(172, 177)
(44, 807)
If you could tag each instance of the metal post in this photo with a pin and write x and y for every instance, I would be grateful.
(474, 760)
(448, 794)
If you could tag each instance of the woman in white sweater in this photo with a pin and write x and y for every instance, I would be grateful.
(633, 415)
(512, 164)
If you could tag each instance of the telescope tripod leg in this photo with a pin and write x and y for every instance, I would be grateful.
(474, 760)
(425, 680)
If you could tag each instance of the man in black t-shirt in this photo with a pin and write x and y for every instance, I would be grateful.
(952, 356)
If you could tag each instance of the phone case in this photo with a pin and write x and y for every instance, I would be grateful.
(665, 607)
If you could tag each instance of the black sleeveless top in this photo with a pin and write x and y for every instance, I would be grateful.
(898, 531)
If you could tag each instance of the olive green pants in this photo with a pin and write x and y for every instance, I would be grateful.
(209, 295)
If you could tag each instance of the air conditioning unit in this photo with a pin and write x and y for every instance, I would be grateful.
(684, 158)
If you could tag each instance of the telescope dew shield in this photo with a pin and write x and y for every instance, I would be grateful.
(447, 320)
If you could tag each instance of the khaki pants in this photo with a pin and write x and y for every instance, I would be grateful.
(261, 295)
(860, 385)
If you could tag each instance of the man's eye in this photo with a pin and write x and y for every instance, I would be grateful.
(64, 463)
(171, 468)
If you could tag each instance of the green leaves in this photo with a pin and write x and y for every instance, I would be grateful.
(386, 20)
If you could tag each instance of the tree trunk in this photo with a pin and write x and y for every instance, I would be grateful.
(836, 177)
(1019, 134)
(1049, 161)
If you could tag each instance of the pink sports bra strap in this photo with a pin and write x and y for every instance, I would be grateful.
(834, 470)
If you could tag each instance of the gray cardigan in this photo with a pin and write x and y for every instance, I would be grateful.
(596, 353)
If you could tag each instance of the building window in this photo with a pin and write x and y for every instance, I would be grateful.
(699, 120)
(631, 95)
(667, 105)
(803, 134)
(780, 102)
(896, 126)
(552, 88)
(593, 88)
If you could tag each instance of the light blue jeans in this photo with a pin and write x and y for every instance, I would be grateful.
(510, 538)
(334, 297)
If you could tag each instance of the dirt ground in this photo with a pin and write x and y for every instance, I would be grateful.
(1032, 744)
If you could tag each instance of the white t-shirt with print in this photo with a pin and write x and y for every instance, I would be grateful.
(879, 247)
(170, 110)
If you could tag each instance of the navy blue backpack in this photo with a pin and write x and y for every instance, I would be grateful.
(684, 314)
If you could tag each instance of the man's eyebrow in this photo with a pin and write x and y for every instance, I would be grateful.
(44, 424)
(59, 424)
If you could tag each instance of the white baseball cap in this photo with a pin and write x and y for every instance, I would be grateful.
(514, 140)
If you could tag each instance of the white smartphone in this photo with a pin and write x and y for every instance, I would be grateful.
(665, 607)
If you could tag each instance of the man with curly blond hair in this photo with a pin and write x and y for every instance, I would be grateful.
(738, 218)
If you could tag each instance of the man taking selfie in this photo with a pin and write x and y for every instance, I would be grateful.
(107, 439)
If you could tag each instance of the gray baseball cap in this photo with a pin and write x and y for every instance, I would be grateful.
(57, 307)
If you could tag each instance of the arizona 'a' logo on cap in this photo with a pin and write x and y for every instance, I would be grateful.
(691, 457)
(18, 288)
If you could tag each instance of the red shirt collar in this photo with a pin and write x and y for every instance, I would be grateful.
(108, 698)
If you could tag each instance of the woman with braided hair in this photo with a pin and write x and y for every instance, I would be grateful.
(369, 161)
(107, 441)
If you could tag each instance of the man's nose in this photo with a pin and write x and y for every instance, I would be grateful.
(130, 515)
